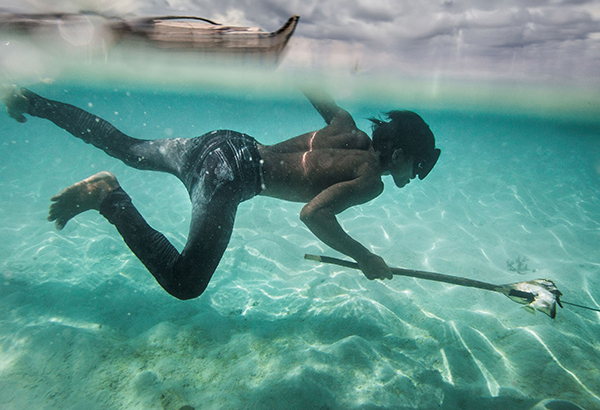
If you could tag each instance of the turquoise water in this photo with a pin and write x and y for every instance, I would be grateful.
(84, 325)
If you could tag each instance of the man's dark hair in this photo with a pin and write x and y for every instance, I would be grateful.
(405, 130)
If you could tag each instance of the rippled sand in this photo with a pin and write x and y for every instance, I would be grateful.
(83, 325)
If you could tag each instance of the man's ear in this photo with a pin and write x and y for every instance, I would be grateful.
(397, 154)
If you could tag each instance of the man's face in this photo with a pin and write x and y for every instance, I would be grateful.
(402, 169)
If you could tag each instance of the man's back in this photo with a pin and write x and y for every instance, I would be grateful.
(301, 168)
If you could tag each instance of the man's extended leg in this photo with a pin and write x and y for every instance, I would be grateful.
(166, 155)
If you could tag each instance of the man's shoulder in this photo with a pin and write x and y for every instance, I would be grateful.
(342, 138)
(356, 162)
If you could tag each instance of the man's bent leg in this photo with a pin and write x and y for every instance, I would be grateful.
(184, 275)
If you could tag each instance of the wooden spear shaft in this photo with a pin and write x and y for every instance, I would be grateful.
(437, 277)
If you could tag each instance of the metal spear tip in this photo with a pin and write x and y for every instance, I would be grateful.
(538, 294)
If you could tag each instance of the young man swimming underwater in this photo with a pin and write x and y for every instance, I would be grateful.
(330, 170)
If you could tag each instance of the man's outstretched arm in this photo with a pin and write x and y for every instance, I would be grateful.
(324, 104)
(319, 215)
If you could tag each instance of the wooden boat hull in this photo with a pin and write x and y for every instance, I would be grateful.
(174, 33)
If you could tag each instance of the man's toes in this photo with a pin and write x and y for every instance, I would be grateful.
(53, 216)
(54, 211)
(18, 117)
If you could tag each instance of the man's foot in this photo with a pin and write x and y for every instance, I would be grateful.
(16, 103)
(80, 197)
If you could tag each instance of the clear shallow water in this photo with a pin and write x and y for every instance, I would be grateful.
(83, 325)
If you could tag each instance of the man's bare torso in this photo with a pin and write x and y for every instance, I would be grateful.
(302, 167)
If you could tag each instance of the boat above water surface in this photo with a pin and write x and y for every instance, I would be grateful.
(96, 32)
